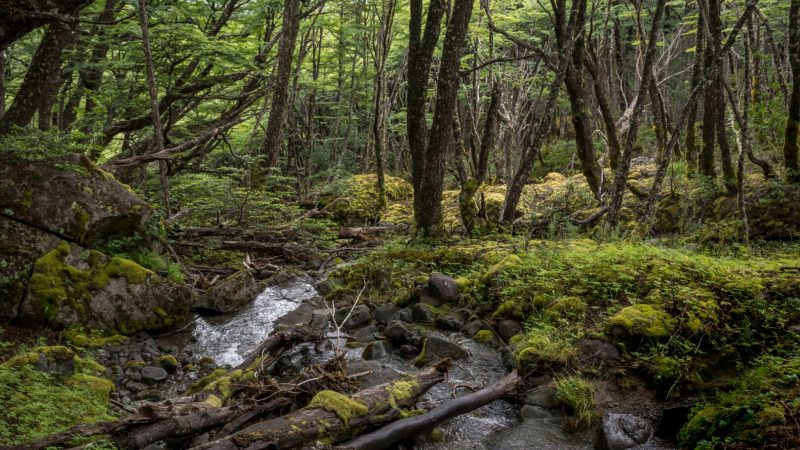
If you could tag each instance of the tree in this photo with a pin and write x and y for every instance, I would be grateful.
(791, 145)
(382, 47)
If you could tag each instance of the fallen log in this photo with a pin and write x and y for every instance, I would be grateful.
(414, 426)
(331, 417)
(362, 233)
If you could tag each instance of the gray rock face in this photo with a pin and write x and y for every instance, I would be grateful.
(231, 293)
(357, 318)
(374, 350)
(385, 313)
(153, 375)
(622, 431)
(435, 349)
(423, 313)
(441, 289)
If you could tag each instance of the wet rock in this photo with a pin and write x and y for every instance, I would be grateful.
(598, 350)
(320, 319)
(169, 363)
(622, 431)
(534, 412)
(366, 334)
(385, 313)
(408, 351)
(374, 350)
(450, 322)
(435, 349)
(398, 332)
(543, 397)
(325, 287)
(358, 317)
(405, 315)
(441, 289)
(153, 375)
(423, 313)
(371, 373)
(509, 328)
(473, 327)
(231, 293)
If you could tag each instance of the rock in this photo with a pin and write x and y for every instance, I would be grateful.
(534, 412)
(422, 312)
(473, 327)
(597, 350)
(408, 351)
(56, 360)
(70, 196)
(385, 313)
(358, 317)
(153, 375)
(325, 287)
(366, 334)
(621, 431)
(374, 350)
(509, 328)
(72, 286)
(435, 349)
(398, 332)
(405, 315)
(320, 319)
(543, 397)
(450, 322)
(441, 289)
(168, 363)
(231, 293)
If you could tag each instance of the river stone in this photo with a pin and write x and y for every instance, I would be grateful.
(385, 313)
(622, 431)
(374, 350)
(365, 334)
(357, 318)
(231, 293)
(320, 319)
(405, 315)
(473, 327)
(423, 313)
(450, 322)
(543, 397)
(398, 332)
(153, 375)
(534, 412)
(435, 349)
(509, 328)
(441, 289)
(598, 350)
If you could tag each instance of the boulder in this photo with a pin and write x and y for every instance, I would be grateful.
(405, 315)
(450, 322)
(72, 198)
(508, 329)
(358, 317)
(72, 286)
(423, 313)
(231, 293)
(398, 332)
(153, 375)
(622, 431)
(320, 318)
(543, 397)
(534, 412)
(385, 313)
(435, 349)
(440, 289)
(374, 350)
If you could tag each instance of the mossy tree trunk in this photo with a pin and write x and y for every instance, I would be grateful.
(791, 145)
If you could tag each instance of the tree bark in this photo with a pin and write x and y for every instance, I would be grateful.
(697, 73)
(20, 17)
(489, 133)
(791, 145)
(382, 47)
(273, 140)
(604, 103)
(40, 77)
(158, 132)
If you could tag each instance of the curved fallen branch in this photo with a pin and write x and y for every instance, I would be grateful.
(400, 430)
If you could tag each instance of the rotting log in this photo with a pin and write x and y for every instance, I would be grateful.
(332, 417)
(401, 430)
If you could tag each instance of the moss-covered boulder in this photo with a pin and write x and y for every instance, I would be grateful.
(354, 200)
(72, 286)
(71, 198)
(231, 293)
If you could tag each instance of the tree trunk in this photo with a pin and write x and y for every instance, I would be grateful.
(382, 47)
(273, 140)
(2, 82)
(40, 77)
(791, 145)
(158, 133)
(489, 132)
(697, 73)
(604, 104)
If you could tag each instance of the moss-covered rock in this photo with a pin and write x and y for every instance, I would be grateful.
(70, 287)
(231, 293)
(644, 320)
(354, 200)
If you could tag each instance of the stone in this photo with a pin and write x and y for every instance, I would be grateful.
(543, 397)
(405, 315)
(320, 318)
(473, 327)
(385, 313)
(423, 313)
(450, 322)
(622, 431)
(365, 334)
(398, 332)
(509, 328)
(231, 293)
(435, 349)
(597, 350)
(534, 412)
(325, 287)
(374, 350)
(441, 289)
(153, 375)
(359, 316)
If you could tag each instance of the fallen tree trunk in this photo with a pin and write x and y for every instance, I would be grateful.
(332, 417)
(401, 430)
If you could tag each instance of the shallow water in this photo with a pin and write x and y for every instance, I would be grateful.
(230, 338)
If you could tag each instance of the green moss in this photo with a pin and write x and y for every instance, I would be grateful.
(168, 360)
(644, 320)
(578, 395)
(343, 406)
(569, 308)
(513, 309)
(422, 358)
(485, 337)
(545, 347)
(79, 337)
(400, 391)
(200, 384)
(509, 262)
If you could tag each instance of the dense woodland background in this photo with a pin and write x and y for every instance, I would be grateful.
(625, 171)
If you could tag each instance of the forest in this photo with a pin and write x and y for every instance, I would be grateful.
(399, 224)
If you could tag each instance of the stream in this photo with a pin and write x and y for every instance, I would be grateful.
(229, 339)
